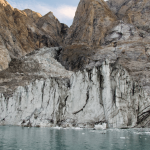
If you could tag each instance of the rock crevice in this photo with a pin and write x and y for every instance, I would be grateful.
(104, 94)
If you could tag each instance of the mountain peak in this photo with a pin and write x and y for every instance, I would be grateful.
(32, 14)
(92, 20)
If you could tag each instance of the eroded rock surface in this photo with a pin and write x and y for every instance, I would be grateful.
(128, 73)
(135, 12)
(100, 76)
(92, 21)
(119, 7)
(37, 91)
(23, 31)
(138, 14)
(34, 15)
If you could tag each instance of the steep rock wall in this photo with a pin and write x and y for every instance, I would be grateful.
(104, 94)
(135, 12)
(111, 82)
(92, 20)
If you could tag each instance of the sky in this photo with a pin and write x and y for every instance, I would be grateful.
(63, 10)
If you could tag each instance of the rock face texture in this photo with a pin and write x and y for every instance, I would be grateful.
(138, 14)
(22, 31)
(92, 21)
(37, 91)
(34, 15)
(135, 12)
(49, 24)
(119, 7)
(101, 74)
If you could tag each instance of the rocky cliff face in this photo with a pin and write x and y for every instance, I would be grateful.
(33, 15)
(22, 31)
(119, 7)
(135, 12)
(92, 21)
(100, 75)
(37, 91)
(138, 14)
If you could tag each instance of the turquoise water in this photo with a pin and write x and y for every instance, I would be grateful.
(18, 138)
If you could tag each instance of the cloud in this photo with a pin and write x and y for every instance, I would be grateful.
(61, 12)
(64, 13)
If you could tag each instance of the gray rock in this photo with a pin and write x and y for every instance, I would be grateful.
(106, 94)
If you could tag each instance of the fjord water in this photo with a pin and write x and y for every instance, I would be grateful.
(18, 138)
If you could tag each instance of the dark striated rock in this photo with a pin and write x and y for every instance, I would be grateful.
(119, 7)
(135, 12)
(139, 15)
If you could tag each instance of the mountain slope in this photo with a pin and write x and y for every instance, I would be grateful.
(133, 12)
(101, 75)
(21, 32)
(92, 20)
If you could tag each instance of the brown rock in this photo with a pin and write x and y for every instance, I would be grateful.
(133, 12)
(125, 44)
(34, 15)
(92, 21)
(119, 7)
(49, 24)
(139, 15)
(118, 47)
(20, 34)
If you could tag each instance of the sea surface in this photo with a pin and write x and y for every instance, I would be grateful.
(19, 138)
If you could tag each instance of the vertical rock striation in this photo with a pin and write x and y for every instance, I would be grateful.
(51, 95)
(107, 53)
(92, 21)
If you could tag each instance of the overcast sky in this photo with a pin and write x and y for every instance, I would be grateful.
(64, 10)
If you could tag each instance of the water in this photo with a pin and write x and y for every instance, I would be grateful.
(18, 138)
